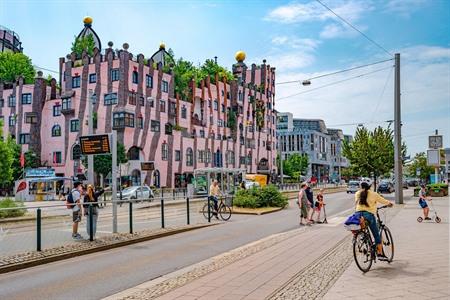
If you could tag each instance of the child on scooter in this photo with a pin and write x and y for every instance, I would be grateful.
(423, 198)
(318, 205)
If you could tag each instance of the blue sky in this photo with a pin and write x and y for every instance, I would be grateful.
(300, 38)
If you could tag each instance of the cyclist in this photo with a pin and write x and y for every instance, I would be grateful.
(214, 193)
(366, 203)
(423, 201)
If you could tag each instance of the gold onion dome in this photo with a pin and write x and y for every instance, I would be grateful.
(87, 20)
(240, 56)
(162, 46)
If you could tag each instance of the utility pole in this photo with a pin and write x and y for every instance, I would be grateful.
(397, 135)
(281, 159)
(114, 174)
(90, 132)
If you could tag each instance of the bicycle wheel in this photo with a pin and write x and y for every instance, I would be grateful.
(205, 210)
(225, 212)
(362, 251)
(388, 244)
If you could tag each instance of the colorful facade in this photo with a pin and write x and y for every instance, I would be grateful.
(220, 124)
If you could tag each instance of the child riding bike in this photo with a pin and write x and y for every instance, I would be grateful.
(366, 203)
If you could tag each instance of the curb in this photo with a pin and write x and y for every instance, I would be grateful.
(54, 258)
(258, 213)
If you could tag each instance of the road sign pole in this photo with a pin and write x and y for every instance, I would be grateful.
(90, 131)
(397, 135)
(114, 178)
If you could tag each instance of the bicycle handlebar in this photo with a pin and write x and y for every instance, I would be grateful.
(382, 207)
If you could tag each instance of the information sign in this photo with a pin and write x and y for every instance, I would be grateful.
(95, 144)
(148, 166)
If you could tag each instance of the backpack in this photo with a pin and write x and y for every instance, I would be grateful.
(69, 202)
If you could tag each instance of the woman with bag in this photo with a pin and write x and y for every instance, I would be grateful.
(366, 204)
(92, 196)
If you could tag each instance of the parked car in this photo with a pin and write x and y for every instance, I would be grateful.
(136, 192)
(251, 184)
(352, 186)
(385, 186)
(405, 184)
(412, 182)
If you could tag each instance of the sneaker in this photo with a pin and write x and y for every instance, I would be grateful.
(428, 218)
(77, 236)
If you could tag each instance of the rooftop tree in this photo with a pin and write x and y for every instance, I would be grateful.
(84, 43)
(13, 65)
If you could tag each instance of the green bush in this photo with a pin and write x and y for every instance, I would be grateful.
(10, 213)
(436, 186)
(268, 196)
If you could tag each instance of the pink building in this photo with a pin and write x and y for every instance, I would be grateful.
(226, 124)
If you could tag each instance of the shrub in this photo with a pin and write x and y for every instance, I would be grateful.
(260, 197)
(9, 203)
(244, 198)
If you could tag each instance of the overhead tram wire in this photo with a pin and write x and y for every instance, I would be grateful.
(334, 83)
(349, 24)
(337, 72)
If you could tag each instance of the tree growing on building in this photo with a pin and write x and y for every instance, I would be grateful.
(84, 43)
(419, 168)
(371, 153)
(13, 65)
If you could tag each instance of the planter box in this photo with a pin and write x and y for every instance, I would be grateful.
(437, 193)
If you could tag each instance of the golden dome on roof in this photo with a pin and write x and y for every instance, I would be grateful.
(87, 20)
(240, 56)
(162, 45)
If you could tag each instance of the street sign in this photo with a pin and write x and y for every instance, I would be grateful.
(435, 141)
(433, 158)
(148, 166)
(95, 144)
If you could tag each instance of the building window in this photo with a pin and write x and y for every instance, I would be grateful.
(110, 98)
(183, 112)
(150, 100)
(74, 125)
(123, 119)
(208, 156)
(135, 77)
(93, 78)
(132, 98)
(12, 101)
(57, 157)
(211, 120)
(56, 130)
(76, 82)
(223, 108)
(24, 138)
(202, 133)
(2, 102)
(141, 101)
(66, 103)
(177, 155)
(165, 86)
(216, 105)
(168, 129)
(240, 96)
(149, 81)
(172, 108)
(155, 126)
(140, 122)
(114, 74)
(30, 118)
(230, 157)
(26, 98)
(220, 123)
(12, 120)
(165, 151)
(56, 110)
(162, 105)
(133, 153)
(201, 156)
(189, 157)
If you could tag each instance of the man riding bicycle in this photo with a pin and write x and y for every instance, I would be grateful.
(366, 203)
(214, 193)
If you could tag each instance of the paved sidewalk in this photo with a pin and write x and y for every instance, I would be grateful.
(421, 264)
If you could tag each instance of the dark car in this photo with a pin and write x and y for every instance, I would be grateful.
(385, 187)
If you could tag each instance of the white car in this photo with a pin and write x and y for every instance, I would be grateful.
(251, 184)
(136, 192)
(352, 186)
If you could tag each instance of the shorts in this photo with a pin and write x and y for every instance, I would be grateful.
(304, 211)
(76, 216)
(423, 203)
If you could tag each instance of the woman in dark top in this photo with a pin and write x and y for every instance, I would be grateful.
(92, 196)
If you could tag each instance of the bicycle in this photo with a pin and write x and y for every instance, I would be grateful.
(364, 249)
(223, 210)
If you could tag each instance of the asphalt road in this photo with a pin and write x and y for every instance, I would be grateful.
(102, 274)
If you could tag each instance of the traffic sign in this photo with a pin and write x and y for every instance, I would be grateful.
(95, 144)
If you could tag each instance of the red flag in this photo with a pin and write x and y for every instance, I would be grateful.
(21, 186)
(22, 160)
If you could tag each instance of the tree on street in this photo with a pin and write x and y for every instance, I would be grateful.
(419, 163)
(6, 160)
(103, 162)
(295, 165)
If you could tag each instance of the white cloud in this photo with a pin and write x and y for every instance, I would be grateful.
(296, 43)
(339, 30)
(291, 61)
(313, 11)
(404, 8)
(425, 86)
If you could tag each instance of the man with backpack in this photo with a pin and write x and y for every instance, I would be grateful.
(74, 203)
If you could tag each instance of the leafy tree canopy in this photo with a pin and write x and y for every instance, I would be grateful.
(13, 65)
(103, 163)
(86, 43)
(296, 165)
(419, 163)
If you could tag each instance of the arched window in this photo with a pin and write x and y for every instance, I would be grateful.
(230, 157)
(76, 152)
(136, 178)
(135, 77)
(189, 157)
(133, 153)
(156, 179)
(165, 151)
(56, 130)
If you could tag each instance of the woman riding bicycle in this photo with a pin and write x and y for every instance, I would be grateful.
(366, 203)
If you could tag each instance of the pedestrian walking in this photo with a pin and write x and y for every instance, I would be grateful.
(302, 202)
(310, 196)
(91, 198)
(76, 194)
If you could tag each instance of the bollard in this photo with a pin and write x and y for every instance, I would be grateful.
(38, 229)
(131, 217)
(162, 213)
(187, 208)
(209, 210)
(162, 193)
(91, 223)
(173, 193)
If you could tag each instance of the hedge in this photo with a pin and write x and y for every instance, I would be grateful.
(10, 213)
(268, 196)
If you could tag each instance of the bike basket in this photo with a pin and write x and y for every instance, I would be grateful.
(228, 201)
